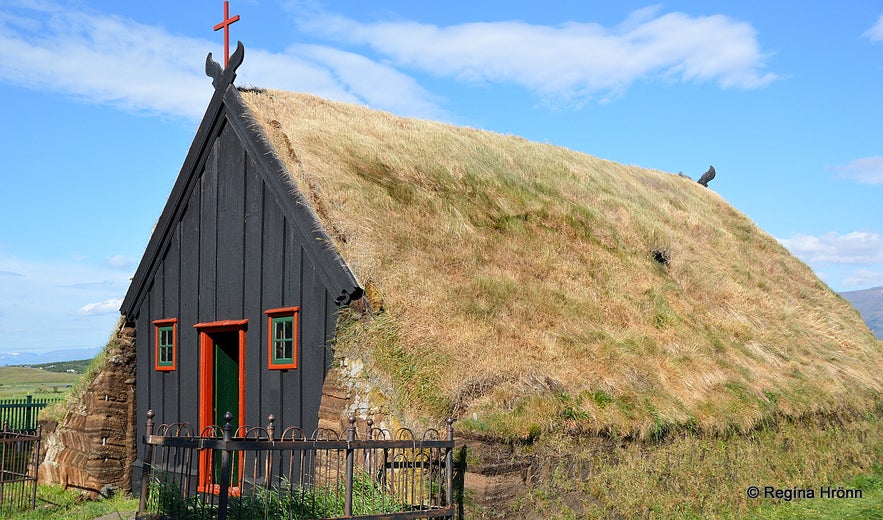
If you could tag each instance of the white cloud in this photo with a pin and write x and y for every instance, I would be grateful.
(361, 76)
(120, 262)
(570, 61)
(339, 75)
(107, 59)
(289, 71)
(856, 247)
(59, 290)
(868, 170)
(111, 306)
(864, 278)
(875, 33)
(103, 59)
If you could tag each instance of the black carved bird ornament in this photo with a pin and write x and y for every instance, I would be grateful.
(707, 176)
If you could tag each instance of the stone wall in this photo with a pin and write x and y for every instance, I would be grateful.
(93, 448)
(494, 477)
(347, 392)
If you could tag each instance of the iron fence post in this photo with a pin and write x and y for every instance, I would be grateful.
(449, 464)
(369, 424)
(36, 466)
(147, 464)
(271, 435)
(348, 499)
(225, 468)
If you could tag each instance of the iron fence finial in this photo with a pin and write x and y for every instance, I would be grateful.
(228, 428)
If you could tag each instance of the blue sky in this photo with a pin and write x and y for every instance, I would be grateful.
(101, 99)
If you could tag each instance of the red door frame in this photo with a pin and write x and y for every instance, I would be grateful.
(207, 384)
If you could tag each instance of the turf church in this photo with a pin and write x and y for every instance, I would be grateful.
(236, 297)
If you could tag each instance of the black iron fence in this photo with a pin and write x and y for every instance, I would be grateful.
(255, 473)
(19, 454)
(21, 414)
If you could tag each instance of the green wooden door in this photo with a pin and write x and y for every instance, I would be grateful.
(226, 378)
(226, 391)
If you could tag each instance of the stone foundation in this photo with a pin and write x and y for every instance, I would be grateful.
(94, 446)
(496, 476)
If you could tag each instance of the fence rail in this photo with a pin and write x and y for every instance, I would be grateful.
(21, 414)
(18, 470)
(251, 473)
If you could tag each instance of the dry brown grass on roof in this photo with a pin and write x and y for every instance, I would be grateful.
(524, 289)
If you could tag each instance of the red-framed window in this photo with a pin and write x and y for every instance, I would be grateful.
(166, 344)
(282, 325)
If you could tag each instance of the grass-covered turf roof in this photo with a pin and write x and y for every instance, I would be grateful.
(527, 288)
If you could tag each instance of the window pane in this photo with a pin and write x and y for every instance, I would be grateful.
(278, 352)
(282, 351)
(288, 353)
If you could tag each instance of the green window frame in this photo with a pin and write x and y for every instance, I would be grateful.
(166, 343)
(282, 333)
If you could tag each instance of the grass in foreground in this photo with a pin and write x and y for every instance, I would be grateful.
(868, 507)
(701, 476)
(288, 502)
(55, 503)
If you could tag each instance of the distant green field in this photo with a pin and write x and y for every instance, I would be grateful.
(18, 382)
(78, 366)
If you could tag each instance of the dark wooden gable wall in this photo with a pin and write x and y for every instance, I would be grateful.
(231, 256)
(234, 240)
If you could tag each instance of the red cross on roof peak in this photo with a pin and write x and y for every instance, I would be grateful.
(226, 26)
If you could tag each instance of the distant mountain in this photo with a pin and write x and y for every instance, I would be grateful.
(869, 303)
(34, 358)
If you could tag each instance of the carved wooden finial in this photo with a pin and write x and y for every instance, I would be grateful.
(223, 77)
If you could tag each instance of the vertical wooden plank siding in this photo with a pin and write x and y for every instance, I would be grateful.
(313, 345)
(272, 298)
(208, 250)
(171, 283)
(231, 255)
(289, 381)
(255, 412)
(230, 226)
(188, 313)
(154, 303)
